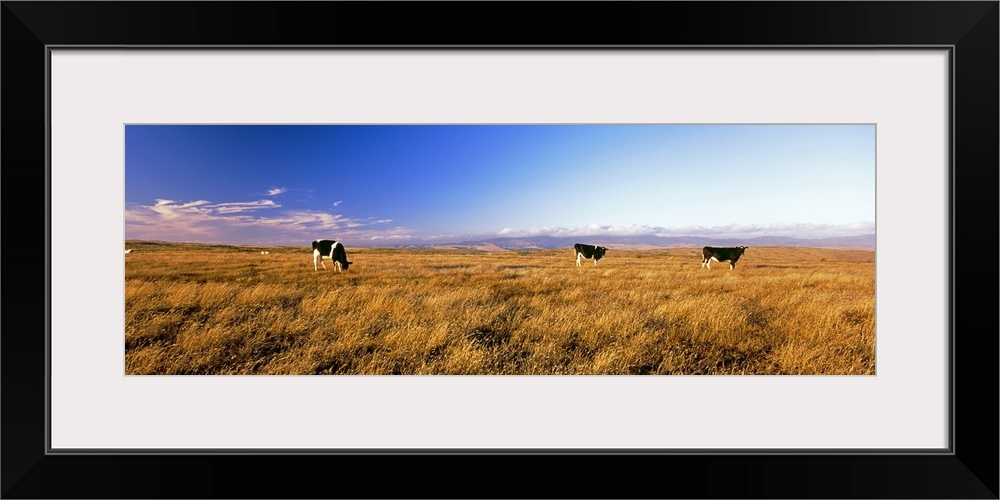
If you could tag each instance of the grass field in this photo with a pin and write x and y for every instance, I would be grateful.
(215, 309)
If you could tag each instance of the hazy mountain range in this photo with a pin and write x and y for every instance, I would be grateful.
(866, 242)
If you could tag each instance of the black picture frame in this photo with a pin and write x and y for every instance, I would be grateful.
(970, 470)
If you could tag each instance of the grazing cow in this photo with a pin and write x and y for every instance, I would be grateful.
(129, 250)
(720, 254)
(588, 252)
(330, 249)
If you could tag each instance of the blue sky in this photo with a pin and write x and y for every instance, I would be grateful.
(371, 185)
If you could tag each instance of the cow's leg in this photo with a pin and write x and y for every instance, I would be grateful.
(315, 256)
(595, 262)
(578, 256)
(337, 266)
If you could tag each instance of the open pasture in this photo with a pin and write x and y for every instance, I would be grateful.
(217, 309)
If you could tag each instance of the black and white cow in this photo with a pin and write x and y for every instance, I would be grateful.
(588, 252)
(721, 254)
(330, 249)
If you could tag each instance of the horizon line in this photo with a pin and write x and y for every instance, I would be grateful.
(474, 241)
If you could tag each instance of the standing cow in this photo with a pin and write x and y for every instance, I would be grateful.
(588, 252)
(721, 254)
(330, 249)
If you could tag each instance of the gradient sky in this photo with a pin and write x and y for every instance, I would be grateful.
(370, 185)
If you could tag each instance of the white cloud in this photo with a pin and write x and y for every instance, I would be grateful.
(337, 203)
(244, 206)
(396, 236)
(589, 230)
(244, 222)
(263, 220)
(276, 191)
(170, 209)
(794, 230)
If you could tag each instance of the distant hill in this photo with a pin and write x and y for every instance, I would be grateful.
(866, 242)
(862, 242)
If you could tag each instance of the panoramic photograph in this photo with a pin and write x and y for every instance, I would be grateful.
(500, 249)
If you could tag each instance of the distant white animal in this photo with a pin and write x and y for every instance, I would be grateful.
(265, 252)
(129, 250)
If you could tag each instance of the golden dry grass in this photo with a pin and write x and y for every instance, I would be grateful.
(200, 309)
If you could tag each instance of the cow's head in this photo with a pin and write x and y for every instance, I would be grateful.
(599, 252)
(346, 264)
(740, 250)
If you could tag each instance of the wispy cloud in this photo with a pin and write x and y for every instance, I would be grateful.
(794, 230)
(246, 206)
(171, 208)
(589, 230)
(276, 191)
(244, 223)
(266, 222)
(337, 203)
